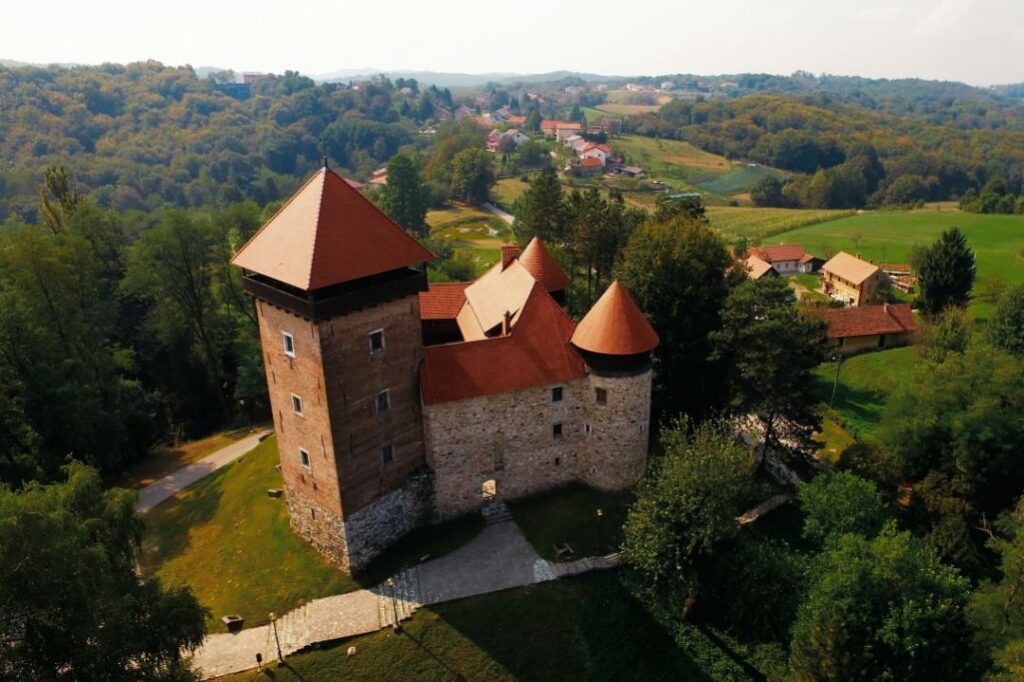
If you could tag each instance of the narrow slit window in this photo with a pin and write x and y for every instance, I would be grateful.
(304, 457)
(296, 404)
(556, 430)
(383, 402)
(601, 396)
(387, 455)
(289, 344)
(377, 341)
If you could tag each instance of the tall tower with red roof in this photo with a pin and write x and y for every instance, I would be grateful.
(336, 286)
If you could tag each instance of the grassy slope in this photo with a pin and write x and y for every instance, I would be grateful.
(574, 629)
(473, 229)
(232, 544)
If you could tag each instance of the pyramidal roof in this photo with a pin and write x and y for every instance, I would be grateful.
(615, 326)
(328, 233)
(539, 262)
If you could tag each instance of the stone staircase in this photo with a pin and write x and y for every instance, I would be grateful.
(495, 511)
(405, 601)
(294, 631)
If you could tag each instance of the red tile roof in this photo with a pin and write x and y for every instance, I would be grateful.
(535, 353)
(442, 300)
(591, 161)
(868, 320)
(780, 252)
(615, 326)
(539, 262)
(328, 233)
(516, 120)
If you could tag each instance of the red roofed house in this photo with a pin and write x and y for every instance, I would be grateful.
(596, 151)
(397, 403)
(589, 166)
(787, 259)
(868, 327)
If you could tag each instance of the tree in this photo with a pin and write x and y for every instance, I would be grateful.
(1006, 328)
(667, 208)
(768, 192)
(841, 503)
(946, 273)
(883, 609)
(472, 176)
(965, 419)
(71, 604)
(58, 184)
(771, 349)
(686, 505)
(533, 120)
(540, 211)
(997, 607)
(676, 272)
(948, 333)
(406, 197)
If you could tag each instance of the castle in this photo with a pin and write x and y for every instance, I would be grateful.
(399, 403)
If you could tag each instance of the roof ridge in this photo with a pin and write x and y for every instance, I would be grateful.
(316, 221)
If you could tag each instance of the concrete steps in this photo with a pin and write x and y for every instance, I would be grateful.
(495, 511)
(402, 599)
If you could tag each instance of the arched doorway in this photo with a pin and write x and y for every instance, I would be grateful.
(489, 490)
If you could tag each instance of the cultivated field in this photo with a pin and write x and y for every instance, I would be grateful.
(470, 229)
(758, 224)
(618, 109)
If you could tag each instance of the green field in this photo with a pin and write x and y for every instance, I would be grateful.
(471, 229)
(507, 190)
(758, 224)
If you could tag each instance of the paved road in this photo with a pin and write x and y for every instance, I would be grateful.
(507, 217)
(154, 494)
(498, 558)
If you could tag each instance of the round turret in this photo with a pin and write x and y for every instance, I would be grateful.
(614, 335)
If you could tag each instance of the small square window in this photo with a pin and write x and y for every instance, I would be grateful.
(289, 344)
(556, 430)
(387, 455)
(304, 457)
(383, 401)
(296, 404)
(601, 396)
(377, 341)
(557, 394)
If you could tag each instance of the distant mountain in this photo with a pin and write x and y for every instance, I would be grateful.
(456, 80)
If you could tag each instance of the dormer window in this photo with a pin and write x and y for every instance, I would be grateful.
(289, 344)
(376, 341)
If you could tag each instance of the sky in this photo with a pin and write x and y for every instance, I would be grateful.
(974, 41)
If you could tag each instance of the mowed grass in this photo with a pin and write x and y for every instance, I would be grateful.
(507, 190)
(760, 224)
(583, 628)
(569, 516)
(231, 543)
(663, 156)
(865, 383)
(622, 109)
(166, 459)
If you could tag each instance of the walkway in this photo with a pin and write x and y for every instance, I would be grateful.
(154, 494)
(504, 215)
(497, 559)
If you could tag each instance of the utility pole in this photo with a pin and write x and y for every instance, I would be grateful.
(273, 624)
(394, 606)
(838, 357)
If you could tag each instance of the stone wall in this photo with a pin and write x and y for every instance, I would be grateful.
(613, 456)
(320, 527)
(506, 437)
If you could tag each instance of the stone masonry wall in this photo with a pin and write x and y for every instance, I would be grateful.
(508, 438)
(320, 527)
(614, 454)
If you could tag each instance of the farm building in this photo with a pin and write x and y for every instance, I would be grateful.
(850, 280)
(757, 268)
(868, 327)
(787, 259)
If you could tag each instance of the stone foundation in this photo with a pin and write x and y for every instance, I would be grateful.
(353, 542)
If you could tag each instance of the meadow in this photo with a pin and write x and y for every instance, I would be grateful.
(758, 224)
(467, 228)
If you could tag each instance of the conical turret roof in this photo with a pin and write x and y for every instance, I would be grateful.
(539, 262)
(328, 233)
(615, 326)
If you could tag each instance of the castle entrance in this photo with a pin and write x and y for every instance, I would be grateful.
(489, 490)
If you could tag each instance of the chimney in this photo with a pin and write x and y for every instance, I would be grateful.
(506, 325)
(509, 252)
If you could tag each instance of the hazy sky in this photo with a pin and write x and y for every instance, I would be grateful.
(977, 41)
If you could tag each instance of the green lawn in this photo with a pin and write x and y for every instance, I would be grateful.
(584, 628)
(232, 544)
(507, 190)
(569, 515)
(471, 229)
(865, 382)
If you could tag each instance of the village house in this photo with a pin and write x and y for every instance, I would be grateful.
(399, 403)
(589, 167)
(758, 268)
(515, 120)
(868, 327)
(850, 280)
(596, 151)
(787, 259)
(463, 112)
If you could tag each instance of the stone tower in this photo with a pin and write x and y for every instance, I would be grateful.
(615, 341)
(336, 285)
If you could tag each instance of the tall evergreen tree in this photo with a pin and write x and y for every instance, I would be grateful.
(541, 210)
(947, 273)
(406, 197)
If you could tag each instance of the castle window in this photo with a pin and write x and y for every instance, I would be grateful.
(601, 396)
(587, 429)
(557, 394)
(377, 341)
(383, 402)
(304, 457)
(387, 455)
(556, 430)
(296, 404)
(289, 344)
